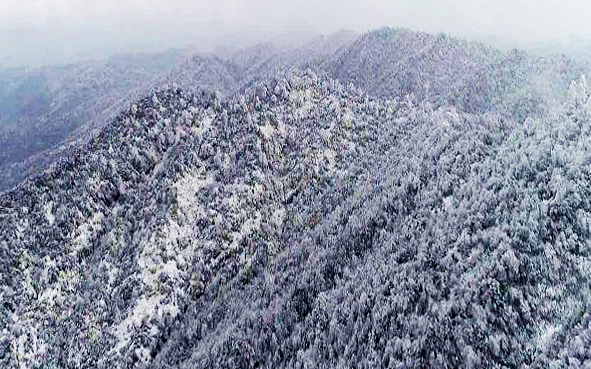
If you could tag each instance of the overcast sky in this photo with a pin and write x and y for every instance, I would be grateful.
(45, 31)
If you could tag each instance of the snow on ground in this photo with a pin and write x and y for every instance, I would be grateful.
(86, 232)
(48, 208)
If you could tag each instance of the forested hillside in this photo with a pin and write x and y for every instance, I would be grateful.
(444, 70)
(304, 222)
(230, 73)
(41, 109)
(49, 112)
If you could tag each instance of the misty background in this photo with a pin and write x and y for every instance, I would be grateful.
(41, 32)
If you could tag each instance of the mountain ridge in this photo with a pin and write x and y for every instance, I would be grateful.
(482, 79)
(304, 222)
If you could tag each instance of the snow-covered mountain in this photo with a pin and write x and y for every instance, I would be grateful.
(304, 222)
(46, 114)
(45, 111)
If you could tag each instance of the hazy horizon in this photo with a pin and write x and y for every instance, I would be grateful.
(41, 32)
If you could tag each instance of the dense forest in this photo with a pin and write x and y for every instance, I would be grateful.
(43, 109)
(46, 113)
(394, 199)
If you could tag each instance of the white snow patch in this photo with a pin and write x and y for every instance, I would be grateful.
(163, 253)
(326, 160)
(48, 297)
(21, 228)
(448, 202)
(143, 354)
(206, 123)
(146, 309)
(303, 100)
(85, 231)
(347, 119)
(48, 208)
(584, 266)
(247, 227)
(281, 129)
(172, 234)
(187, 187)
(203, 127)
(267, 131)
(49, 262)
(28, 282)
(330, 158)
(545, 334)
(21, 347)
(149, 307)
(326, 135)
(170, 268)
(259, 191)
(278, 217)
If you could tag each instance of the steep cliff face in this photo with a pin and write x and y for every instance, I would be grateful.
(302, 224)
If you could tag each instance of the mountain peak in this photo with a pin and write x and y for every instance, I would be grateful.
(387, 204)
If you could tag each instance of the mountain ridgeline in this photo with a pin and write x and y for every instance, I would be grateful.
(444, 70)
(45, 114)
(402, 200)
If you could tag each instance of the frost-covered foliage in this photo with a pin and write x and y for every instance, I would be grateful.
(59, 107)
(305, 224)
(444, 70)
(42, 108)
(542, 174)
(70, 239)
(398, 62)
(371, 271)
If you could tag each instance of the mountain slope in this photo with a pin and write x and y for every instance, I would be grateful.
(44, 108)
(387, 63)
(303, 224)
(48, 113)
(444, 70)
(206, 72)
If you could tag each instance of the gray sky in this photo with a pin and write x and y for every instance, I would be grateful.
(46, 31)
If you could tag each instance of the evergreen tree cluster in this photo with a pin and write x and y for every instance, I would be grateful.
(306, 223)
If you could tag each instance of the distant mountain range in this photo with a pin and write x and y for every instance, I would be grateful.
(51, 108)
(394, 200)
(43, 112)
(43, 109)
